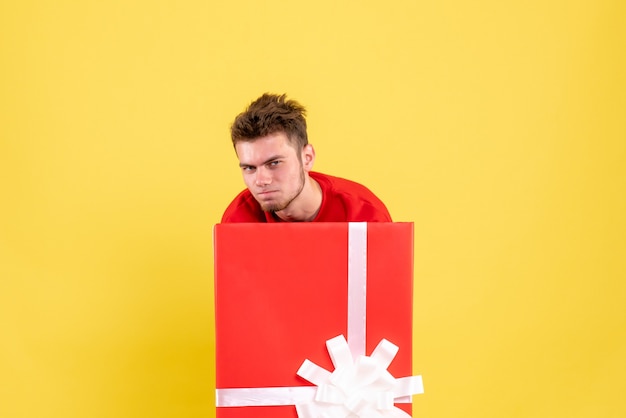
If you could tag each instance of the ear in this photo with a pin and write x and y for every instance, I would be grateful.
(308, 157)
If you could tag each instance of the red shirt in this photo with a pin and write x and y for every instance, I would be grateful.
(342, 201)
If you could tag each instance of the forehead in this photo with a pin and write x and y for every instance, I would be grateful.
(260, 150)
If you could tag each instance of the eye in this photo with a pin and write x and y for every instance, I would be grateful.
(274, 163)
(247, 168)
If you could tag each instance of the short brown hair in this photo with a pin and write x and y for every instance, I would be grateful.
(269, 114)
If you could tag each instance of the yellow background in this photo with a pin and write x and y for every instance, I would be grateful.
(499, 128)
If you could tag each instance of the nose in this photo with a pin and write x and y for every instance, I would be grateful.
(263, 177)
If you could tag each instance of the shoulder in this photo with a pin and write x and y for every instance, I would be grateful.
(341, 185)
(349, 201)
(243, 208)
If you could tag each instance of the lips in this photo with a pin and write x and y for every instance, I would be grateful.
(267, 193)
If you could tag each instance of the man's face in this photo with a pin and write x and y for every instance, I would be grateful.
(272, 170)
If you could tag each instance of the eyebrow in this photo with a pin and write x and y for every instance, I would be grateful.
(269, 160)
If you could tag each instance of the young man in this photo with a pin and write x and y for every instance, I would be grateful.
(276, 159)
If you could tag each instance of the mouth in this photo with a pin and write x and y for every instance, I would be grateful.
(267, 193)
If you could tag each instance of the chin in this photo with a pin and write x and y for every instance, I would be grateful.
(271, 207)
(274, 209)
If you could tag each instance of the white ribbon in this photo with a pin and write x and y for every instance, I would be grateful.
(357, 286)
(363, 388)
(270, 396)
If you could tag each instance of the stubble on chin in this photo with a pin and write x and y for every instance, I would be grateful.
(274, 207)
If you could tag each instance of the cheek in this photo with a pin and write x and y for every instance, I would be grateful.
(248, 179)
(292, 178)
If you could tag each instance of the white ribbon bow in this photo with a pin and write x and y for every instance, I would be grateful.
(361, 388)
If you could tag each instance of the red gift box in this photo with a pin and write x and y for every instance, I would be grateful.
(283, 290)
